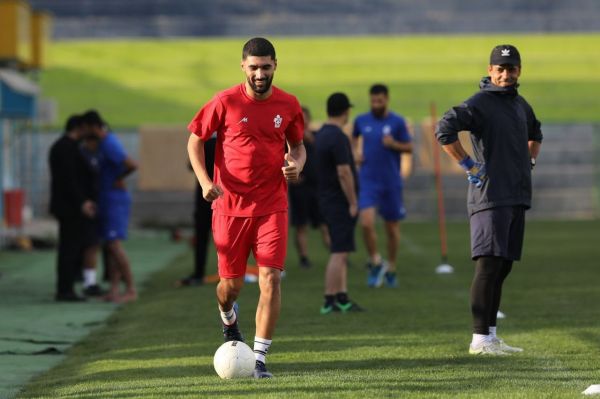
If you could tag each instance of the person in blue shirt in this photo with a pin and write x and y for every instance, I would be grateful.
(384, 137)
(113, 204)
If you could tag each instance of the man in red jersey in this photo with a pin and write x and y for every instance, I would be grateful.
(253, 121)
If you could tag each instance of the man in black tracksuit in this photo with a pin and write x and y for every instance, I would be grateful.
(506, 139)
(70, 205)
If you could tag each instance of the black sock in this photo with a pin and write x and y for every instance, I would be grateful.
(329, 300)
(342, 298)
(487, 269)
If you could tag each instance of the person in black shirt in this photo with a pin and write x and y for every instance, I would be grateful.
(338, 191)
(304, 203)
(506, 138)
(70, 205)
(202, 222)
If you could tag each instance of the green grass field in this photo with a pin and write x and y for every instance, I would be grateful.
(165, 82)
(412, 342)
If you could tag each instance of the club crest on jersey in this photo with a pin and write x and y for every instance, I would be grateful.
(278, 119)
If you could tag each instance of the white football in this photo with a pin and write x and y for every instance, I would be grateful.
(234, 359)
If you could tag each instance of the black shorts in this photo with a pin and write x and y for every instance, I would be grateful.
(304, 206)
(498, 232)
(341, 228)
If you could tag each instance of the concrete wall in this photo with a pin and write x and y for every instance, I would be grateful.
(566, 182)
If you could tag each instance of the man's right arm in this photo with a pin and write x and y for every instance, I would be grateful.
(455, 120)
(210, 191)
(346, 178)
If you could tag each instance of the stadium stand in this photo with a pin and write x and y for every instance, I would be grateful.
(166, 18)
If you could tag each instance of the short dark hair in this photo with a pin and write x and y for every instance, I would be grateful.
(73, 122)
(93, 118)
(258, 47)
(337, 104)
(378, 88)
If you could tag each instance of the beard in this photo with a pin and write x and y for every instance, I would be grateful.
(378, 112)
(263, 89)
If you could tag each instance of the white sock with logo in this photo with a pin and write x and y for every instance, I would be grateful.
(89, 277)
(229, 318)
(493, 332)
(479, 340)
(261, 347)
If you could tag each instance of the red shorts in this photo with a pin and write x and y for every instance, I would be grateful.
(235, 237)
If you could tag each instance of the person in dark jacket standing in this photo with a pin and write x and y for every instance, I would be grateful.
(70, 205)
(506, 138)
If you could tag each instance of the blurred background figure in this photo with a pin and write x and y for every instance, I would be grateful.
(202, 222)
(384, 137)
(89, 150)
(304, 202)
(113, 204)
(70, 205)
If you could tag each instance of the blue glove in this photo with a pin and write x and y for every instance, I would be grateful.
(475, 171)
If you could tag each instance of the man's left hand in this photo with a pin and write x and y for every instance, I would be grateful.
(119, 184)
(291, 172)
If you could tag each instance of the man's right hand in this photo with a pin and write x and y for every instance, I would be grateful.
(212, 192)
(476, 175)
(475, 171)
(88, 208)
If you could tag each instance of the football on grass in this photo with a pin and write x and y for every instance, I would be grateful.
(234, 359)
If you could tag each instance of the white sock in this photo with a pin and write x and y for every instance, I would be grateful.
(261, 347)
(89, 277)
(229, 318)
(493, 332)
(479, 340)
(376, 259)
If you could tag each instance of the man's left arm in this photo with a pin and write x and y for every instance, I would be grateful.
(295, 159)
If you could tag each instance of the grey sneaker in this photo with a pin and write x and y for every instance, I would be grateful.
(499, 342)
(260, 371)
(489, 348)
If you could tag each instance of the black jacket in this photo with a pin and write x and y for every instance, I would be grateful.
(69, 175)
(501, 123)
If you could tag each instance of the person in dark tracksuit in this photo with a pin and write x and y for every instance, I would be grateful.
(202, 222)
(506, 138)
(70, 205)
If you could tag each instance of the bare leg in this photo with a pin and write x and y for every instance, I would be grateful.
(228, 291)
(325, 235)
(335, 274)
(392, 230)
(269, 303)
(367, 221)
(89, 257)
(120, 259)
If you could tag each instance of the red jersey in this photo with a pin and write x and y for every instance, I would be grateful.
(251, 136)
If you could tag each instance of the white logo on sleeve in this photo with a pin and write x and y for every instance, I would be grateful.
(243, 120)
(506, 52)
(278, 119)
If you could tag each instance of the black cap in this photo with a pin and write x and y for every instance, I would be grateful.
(74, 122)
(505, 54)
(337, 104)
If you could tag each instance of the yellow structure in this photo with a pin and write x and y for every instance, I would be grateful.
(40, 36)
(15, 32)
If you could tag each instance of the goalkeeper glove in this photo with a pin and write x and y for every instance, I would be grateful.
(475, 171)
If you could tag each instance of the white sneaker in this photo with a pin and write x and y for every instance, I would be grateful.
(488, 348)
(499, 342)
